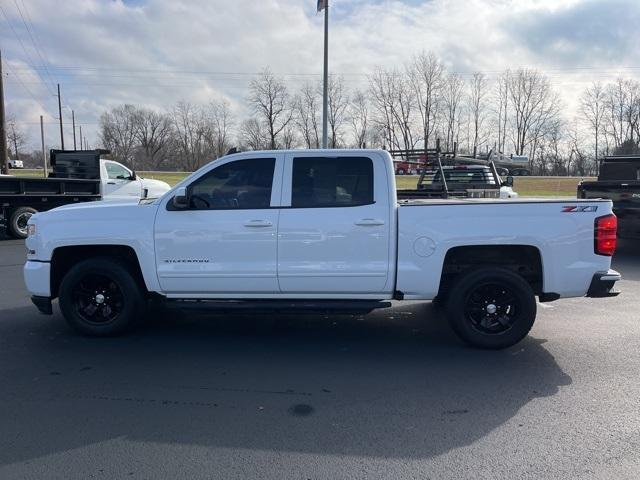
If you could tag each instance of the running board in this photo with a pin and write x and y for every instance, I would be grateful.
(279, 306)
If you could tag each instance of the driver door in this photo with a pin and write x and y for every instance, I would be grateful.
(119, 184)
(224, 244)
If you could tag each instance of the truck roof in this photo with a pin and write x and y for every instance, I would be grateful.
(319, 151)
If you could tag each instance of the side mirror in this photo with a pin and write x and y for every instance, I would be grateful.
(509, 181)
(133, 175)
(181, 198)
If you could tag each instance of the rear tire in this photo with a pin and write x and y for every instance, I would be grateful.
(491, 308)
(18, 221)
(100, 297)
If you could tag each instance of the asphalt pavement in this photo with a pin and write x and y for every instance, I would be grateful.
(391, 395)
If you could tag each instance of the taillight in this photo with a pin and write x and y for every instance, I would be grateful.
(605, 235)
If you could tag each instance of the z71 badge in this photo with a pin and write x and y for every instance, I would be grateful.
(579, 208)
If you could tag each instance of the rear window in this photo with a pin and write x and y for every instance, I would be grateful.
(332, 182)
(466, 176)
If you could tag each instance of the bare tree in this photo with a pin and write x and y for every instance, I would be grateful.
(15, 138)
(577, 154)
(190, 127)
(592, 107)
(453, 92)
(393, 100)
(252, 135)
(306, 106)
(219, 123)
(153, 131)
(427, 76)
(379, 86)
(502, 102)
(338, 101)
(358, 115)
(616, 102)
(269, 99)
(118, 133)
(535, 108)
(477, 108)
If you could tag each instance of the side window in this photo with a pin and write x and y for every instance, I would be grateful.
(332, 182)
(117, 172)
(243, 184)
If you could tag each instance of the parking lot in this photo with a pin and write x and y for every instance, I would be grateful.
(390, 395)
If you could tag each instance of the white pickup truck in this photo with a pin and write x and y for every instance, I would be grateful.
(318, 230)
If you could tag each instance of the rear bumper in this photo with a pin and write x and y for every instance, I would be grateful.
(602, 284)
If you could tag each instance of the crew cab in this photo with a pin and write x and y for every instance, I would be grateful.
(318, 230)
(77, 176)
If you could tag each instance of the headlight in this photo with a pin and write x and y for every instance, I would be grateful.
(31, 229)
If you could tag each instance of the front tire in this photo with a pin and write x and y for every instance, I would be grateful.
(18, 221)
(491, 308)
(100, 297)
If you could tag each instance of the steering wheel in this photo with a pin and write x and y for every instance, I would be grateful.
(199, 199)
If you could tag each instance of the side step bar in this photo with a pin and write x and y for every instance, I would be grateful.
(280, 306)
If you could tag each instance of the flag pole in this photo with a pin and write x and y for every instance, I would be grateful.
(325, 99)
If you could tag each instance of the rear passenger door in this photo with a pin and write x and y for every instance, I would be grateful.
(333, 231)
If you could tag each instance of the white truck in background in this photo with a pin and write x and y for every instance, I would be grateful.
(15, 163)
(318, 230)
(77, 176)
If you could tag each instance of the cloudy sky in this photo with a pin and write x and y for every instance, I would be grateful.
(156, 52)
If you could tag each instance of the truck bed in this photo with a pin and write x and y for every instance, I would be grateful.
(45, 193)
(49, 187)
(405, 201)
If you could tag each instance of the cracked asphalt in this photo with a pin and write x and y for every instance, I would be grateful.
(389, 395)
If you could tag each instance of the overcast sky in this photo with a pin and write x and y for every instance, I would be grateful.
(156, 52)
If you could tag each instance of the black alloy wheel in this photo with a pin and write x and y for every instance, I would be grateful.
(491, 307)
(98, 299)
(101, 297)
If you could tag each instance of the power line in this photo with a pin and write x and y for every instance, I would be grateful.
(33, 97)
(71, 68)
(24, 49)
(36, 43)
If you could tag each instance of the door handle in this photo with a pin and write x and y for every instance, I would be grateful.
(111, 183)
(369, 222)
(258, 223)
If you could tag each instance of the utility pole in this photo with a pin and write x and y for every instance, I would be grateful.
(44, 155)
(325, 100)
(4, 158)
(73, 121)
(81, 138)
(60, 118)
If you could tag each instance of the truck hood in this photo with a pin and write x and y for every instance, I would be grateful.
(101, 207)
(92, 223)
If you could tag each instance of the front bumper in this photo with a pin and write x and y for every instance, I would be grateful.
(43, 304)
(37, 278)
(602, 284)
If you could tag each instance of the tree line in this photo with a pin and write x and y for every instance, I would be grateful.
(518, 112)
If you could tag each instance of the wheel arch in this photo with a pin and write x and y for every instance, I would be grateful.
(525, 260)
(65, 257)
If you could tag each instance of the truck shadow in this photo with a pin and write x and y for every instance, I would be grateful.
(394, 384)
(627, 259)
